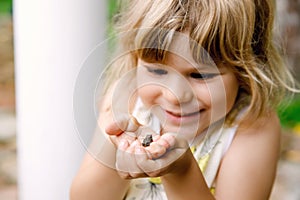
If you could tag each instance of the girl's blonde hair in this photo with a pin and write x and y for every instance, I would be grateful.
(235, 32)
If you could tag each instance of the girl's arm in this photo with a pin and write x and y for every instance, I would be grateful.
(187, 183)
(249, 167)
(97, 178)
(96, 181)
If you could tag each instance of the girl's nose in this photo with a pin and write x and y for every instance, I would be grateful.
(178, 91)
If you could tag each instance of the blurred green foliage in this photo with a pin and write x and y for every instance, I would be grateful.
(5, 6)
(289, 112)
(112, 8)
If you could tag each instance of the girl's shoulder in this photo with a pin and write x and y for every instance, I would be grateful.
(268, 123)
(257, 141)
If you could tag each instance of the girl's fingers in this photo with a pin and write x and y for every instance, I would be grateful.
(167, 140)
(134, 161)
(156, 150)
(166, 150)
(117, 127)
(156, 138)
(175, 140)
(123, 145)
(124, 123)
(126, 164)
(133, 124)
(163, 165)
(128, 136)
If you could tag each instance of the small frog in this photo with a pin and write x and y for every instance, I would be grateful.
(147, 140)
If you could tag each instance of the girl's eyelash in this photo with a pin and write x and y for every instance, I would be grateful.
(157, 71)
(203, 76)
(199, 76)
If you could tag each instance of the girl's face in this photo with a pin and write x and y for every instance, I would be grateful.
(185, 96)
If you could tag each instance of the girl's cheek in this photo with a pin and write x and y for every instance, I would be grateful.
(203, 94)
(148, 94)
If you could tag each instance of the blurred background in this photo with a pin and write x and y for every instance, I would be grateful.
(288, 32)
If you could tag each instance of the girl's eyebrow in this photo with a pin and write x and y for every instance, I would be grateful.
(195, 66)
(204, 66)
(154, 64)
(157, 65)
(208, 67)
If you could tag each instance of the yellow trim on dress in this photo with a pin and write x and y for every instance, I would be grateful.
(155, 180)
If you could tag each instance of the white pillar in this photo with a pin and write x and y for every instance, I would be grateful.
(52, 39)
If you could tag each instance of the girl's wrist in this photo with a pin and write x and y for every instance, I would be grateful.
(187, 182)
(182, 165)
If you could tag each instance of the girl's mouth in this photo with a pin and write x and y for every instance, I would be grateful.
(183, 117)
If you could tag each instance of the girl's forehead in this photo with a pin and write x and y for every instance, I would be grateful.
(175, 46)
(180, 47)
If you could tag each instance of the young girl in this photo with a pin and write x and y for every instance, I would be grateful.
(188, 110)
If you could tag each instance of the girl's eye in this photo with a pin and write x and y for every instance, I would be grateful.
(202, 76)
(157, 71)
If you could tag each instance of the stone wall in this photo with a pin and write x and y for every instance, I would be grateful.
(7, 100)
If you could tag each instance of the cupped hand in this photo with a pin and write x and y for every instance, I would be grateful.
(166, 154)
